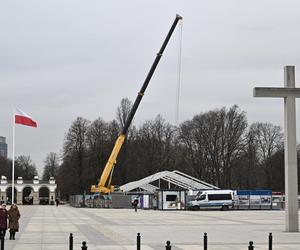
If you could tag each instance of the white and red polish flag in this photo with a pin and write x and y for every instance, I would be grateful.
(24, 119)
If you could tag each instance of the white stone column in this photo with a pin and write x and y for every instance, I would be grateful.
(19, 198)
(36, 200)
(52, 195)
(290, 154)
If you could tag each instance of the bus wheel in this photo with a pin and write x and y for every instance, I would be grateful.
(224, 208)
(196, 208)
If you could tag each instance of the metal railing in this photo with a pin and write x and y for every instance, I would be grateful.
(168, 245)
(139, 245)
(205, 243)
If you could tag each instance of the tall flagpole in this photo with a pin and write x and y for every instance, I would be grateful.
(13, 162)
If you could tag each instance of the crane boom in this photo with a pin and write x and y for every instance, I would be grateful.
(104, 185)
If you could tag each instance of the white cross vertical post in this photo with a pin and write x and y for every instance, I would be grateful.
(289, 93)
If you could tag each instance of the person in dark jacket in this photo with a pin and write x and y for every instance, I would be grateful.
(3, 219)
(135, 204)
(13, 219)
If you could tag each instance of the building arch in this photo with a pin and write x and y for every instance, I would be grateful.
(44, 195)
(28, 191)
(27, 195)
(8, 195)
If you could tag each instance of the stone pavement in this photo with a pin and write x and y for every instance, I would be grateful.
(48, 228)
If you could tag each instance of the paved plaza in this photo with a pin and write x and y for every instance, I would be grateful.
(48, 228)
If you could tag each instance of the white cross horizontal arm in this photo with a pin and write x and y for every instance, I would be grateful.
(276, 92)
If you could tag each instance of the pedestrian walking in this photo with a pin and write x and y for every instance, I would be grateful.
(135, 204)
(13, 219)
(57, 201)
(3, 219)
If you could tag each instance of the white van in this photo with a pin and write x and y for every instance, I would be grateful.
(223, 199)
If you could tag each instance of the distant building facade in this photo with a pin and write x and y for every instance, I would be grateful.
(3, 147)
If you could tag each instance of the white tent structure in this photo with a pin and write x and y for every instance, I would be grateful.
(173, 178)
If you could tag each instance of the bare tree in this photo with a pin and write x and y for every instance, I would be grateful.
(97, 143)
(214, 140)
(153, 147)
(247, 172)
(51, 166)
(269, 139)
(75, 140)
(193, 150)
(234, 130)
(24, 167)
(123, 111)
(74, 155)
(5, 167)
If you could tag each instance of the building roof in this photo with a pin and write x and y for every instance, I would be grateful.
(175, 177)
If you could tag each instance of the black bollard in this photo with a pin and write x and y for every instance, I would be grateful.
(71, 242)
(205, 241)
(138, 241)
(270, 241)
(168, 246)
(250, 247)
(84, 247)
(2, 241)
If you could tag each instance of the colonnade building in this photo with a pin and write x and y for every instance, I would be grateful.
(28, 192)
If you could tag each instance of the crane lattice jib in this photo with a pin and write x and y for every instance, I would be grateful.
(104, 185)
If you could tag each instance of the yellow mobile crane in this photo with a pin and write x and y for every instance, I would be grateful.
(104, 186)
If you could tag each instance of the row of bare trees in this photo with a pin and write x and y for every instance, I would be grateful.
(24, 167)
(218, 147)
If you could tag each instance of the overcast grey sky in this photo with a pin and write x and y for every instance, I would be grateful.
(60, 59)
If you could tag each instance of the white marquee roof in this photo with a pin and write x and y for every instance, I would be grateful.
(175, 177)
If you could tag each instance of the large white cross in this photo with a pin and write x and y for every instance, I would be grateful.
(289, 93)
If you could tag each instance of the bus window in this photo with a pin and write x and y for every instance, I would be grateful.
(202, 197)
(215, 197)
